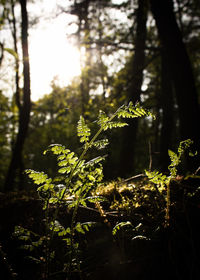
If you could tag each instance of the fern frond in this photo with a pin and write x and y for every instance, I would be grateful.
(175, 160)
(100, 144)
(184, 145)
(125, 114)
(157, 177)
(67, 160)
(111, 125)
(133, 111)
(38, 177)
(102, 119)
(57, 149)
(83, 131)
(105, 122)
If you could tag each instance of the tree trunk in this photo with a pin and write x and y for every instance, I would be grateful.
(181, 72)
(134, 91)
(81, 10)
(14, 171)
(14, 34)
(167, 113)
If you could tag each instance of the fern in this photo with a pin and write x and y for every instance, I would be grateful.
(124, 111)
(57, 149)
(46, 187)
(132, 111)
(105, 123)
(38, 177)
(157, 178)
(164, 180)
(176, 158)
(79, 177)
(183, 146)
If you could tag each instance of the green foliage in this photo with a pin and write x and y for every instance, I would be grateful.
(100, 144)
(161, 179)
(121, 226)
(134, 111)
(176, 158)
(83, 130)
(164, 180)
(104, 122)
(157, 178)
(79, 178)
(38, 177)
(125, 111)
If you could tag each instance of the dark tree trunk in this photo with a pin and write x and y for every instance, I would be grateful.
(167, 113)
(81, 10)
(16, 163)
(14, 34)
(134, 91)
(181, 72)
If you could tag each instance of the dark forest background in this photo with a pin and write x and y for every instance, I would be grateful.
(157, 47)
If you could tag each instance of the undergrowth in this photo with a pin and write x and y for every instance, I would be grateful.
(125, 208)
(74, 187)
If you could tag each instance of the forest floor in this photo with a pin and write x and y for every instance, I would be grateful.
(130, 240)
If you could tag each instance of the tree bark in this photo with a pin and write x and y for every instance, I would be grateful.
(14, 34)
(134, 91)
(167, 113)
(14, 171)
(81, 10)
(181, 73)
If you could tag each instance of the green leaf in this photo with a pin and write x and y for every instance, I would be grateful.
(65, 232)
(111, 125)
(102, 119)
(157, 178)
(100, 144)
(64, 162)
(79, 228)
(73, 160)
(184, 145)
(64, 170)
(61, 157)
(83, 130)
(91, 178)
(57, 149)
(38, 177)
(132, 111)
(120, 226)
